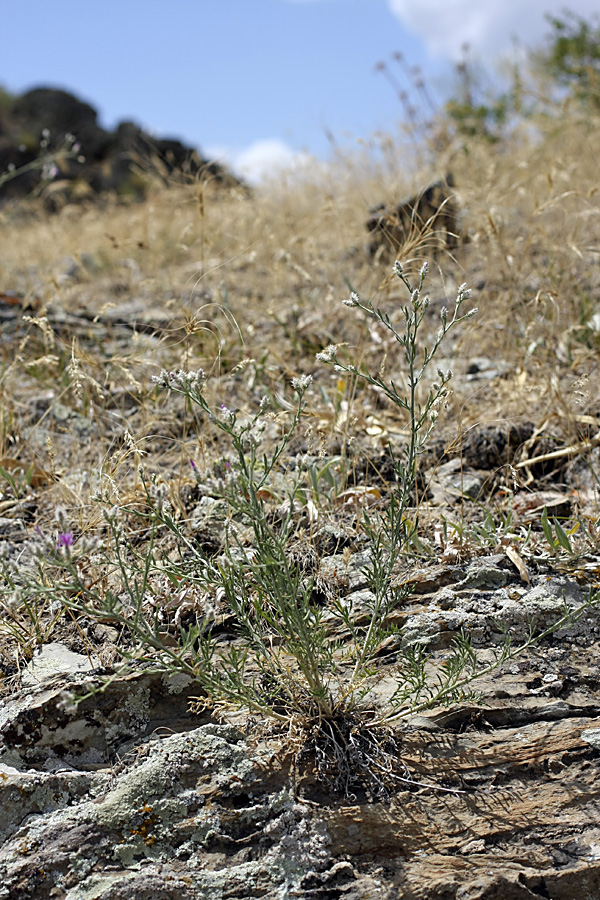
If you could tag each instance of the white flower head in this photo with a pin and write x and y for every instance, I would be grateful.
(227, 413)
(328, 354)
(180, 380)
(301, 383)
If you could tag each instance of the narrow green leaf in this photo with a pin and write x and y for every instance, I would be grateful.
(561, 537)
(547, 529)
(8, 477)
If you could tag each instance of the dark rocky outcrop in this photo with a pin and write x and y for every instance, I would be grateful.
(429, 216)
(82, 159)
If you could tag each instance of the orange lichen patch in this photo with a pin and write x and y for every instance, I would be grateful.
(146, 825)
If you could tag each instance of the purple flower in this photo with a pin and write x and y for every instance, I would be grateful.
(65, 540)
(193, 465)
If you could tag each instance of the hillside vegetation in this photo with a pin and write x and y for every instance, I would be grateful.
(193, 422)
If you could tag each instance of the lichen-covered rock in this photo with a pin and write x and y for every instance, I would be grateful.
(47, 730)
(179, 822)
(490, 601)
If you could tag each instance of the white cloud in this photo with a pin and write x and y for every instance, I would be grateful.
(488, 26)
(261, 159)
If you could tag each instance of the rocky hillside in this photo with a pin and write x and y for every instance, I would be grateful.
(52, 143)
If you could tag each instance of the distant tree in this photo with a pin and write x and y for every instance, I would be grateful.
(486, 108)
(572, 57)
(479, 108)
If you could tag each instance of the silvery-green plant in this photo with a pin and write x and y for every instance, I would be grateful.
(393, 532)
(418, 357)
(281, 663)
(285, 659)
(390, 534)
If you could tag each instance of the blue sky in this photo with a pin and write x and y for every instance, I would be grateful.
(254, 80)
